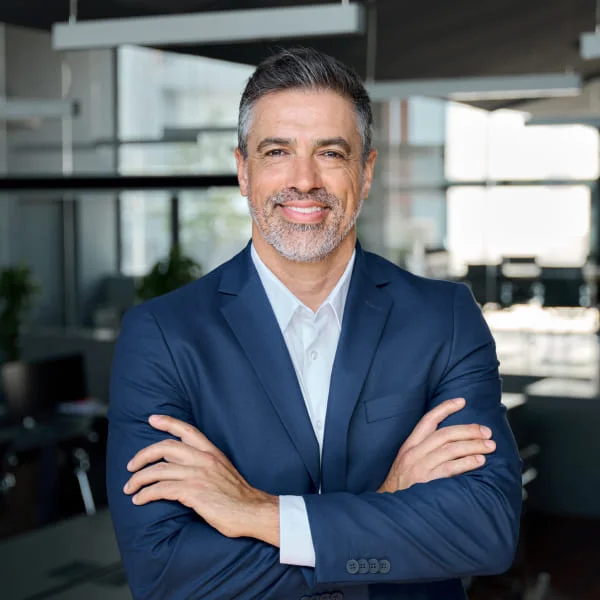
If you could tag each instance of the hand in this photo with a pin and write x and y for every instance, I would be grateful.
(430, 453)
(194, 472)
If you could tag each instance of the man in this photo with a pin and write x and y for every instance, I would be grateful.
(309, 420)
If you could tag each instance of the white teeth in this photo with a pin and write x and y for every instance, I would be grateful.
(303, 210)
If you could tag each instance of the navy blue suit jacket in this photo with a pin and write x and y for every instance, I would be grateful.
(213, 355)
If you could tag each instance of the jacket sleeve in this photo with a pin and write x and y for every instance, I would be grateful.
(168, 552)
(446, 528)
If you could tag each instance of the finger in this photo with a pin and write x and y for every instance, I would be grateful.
(448, 435)
(457, 467)
(455, 451)
(431, 420)
(163, 490)
(186, 432)
(172, 451)
(159, 472)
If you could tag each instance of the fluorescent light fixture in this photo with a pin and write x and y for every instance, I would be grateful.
(563, 120)
(212, 27)
(23, 109)
(589, 45)
(471, 89)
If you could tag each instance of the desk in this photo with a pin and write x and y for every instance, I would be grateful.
(74, 559)
(62, 428)
(53, 459)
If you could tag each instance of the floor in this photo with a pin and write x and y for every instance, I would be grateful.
(566, 549)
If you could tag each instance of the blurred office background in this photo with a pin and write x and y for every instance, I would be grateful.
(113, 157)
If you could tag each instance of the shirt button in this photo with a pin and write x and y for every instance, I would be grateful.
(319, 425)
(314, 354)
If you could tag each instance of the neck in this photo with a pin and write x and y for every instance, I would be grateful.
(311, 283)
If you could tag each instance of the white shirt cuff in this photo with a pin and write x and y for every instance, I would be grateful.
(295, 538)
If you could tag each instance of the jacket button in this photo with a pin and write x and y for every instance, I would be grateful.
(337, 596)
(352, 567)
(363, 566)
(384, 566)
(373, 566)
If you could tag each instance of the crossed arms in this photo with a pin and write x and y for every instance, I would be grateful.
(436, 516)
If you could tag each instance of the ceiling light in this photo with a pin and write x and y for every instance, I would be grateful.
(471, 89)
(212, 27)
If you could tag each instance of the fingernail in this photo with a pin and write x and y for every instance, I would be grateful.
(134, 499)
(459, 401)
(489, 444)
(154, 419)
(126, 487)
(485, 431)
(480, 459)
(130, 465)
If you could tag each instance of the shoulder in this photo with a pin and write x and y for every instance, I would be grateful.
(401, 281)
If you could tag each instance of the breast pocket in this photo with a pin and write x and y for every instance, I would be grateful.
(393, 405)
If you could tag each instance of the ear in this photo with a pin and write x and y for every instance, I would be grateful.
(242, 172)
(368, 171)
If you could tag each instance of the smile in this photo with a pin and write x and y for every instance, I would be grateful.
(305, 210)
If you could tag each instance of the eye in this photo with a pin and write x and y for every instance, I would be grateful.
(275, 152)
(333, 154)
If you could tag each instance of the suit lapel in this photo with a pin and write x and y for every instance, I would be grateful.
(250, 316)
(365, 316)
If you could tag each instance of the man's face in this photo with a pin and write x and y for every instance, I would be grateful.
(304, 175)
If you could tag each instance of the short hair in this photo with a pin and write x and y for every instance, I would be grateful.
(305, 68)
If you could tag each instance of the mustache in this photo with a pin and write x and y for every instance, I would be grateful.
(292, 195)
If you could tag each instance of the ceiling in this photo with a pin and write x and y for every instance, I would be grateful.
(438, 38)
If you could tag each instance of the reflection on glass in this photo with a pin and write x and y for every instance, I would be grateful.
(214, 225)
(145, 230)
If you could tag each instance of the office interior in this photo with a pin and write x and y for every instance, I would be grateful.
(115, 160)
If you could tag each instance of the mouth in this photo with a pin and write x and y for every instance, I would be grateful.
(304, 213)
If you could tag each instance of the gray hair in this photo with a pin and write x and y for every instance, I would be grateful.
(305, 68)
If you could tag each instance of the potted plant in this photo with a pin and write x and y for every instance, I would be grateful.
(17, 291)
(166, 276)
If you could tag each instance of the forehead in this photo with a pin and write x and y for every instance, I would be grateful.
(290, 113)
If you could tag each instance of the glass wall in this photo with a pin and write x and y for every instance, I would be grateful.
(178, 115)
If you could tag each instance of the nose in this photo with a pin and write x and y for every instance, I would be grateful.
(304, 174)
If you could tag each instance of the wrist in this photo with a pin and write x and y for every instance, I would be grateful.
(264, 519)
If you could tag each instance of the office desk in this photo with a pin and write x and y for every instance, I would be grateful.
(61, 428)
(74, 559)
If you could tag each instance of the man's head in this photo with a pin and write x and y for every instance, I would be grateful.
(304, 153)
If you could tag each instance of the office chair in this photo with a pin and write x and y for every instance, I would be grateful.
(32, 393)
(518, 276)
(484, 283)
(7, 479)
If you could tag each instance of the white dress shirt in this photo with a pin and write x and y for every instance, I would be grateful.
(311, 339)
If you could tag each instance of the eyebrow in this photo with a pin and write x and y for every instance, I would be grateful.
(319, 143)
(335, 141)
(273, 141)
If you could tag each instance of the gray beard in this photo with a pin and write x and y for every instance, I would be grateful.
(303, 242)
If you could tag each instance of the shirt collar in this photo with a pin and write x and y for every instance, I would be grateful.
(285, 304)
